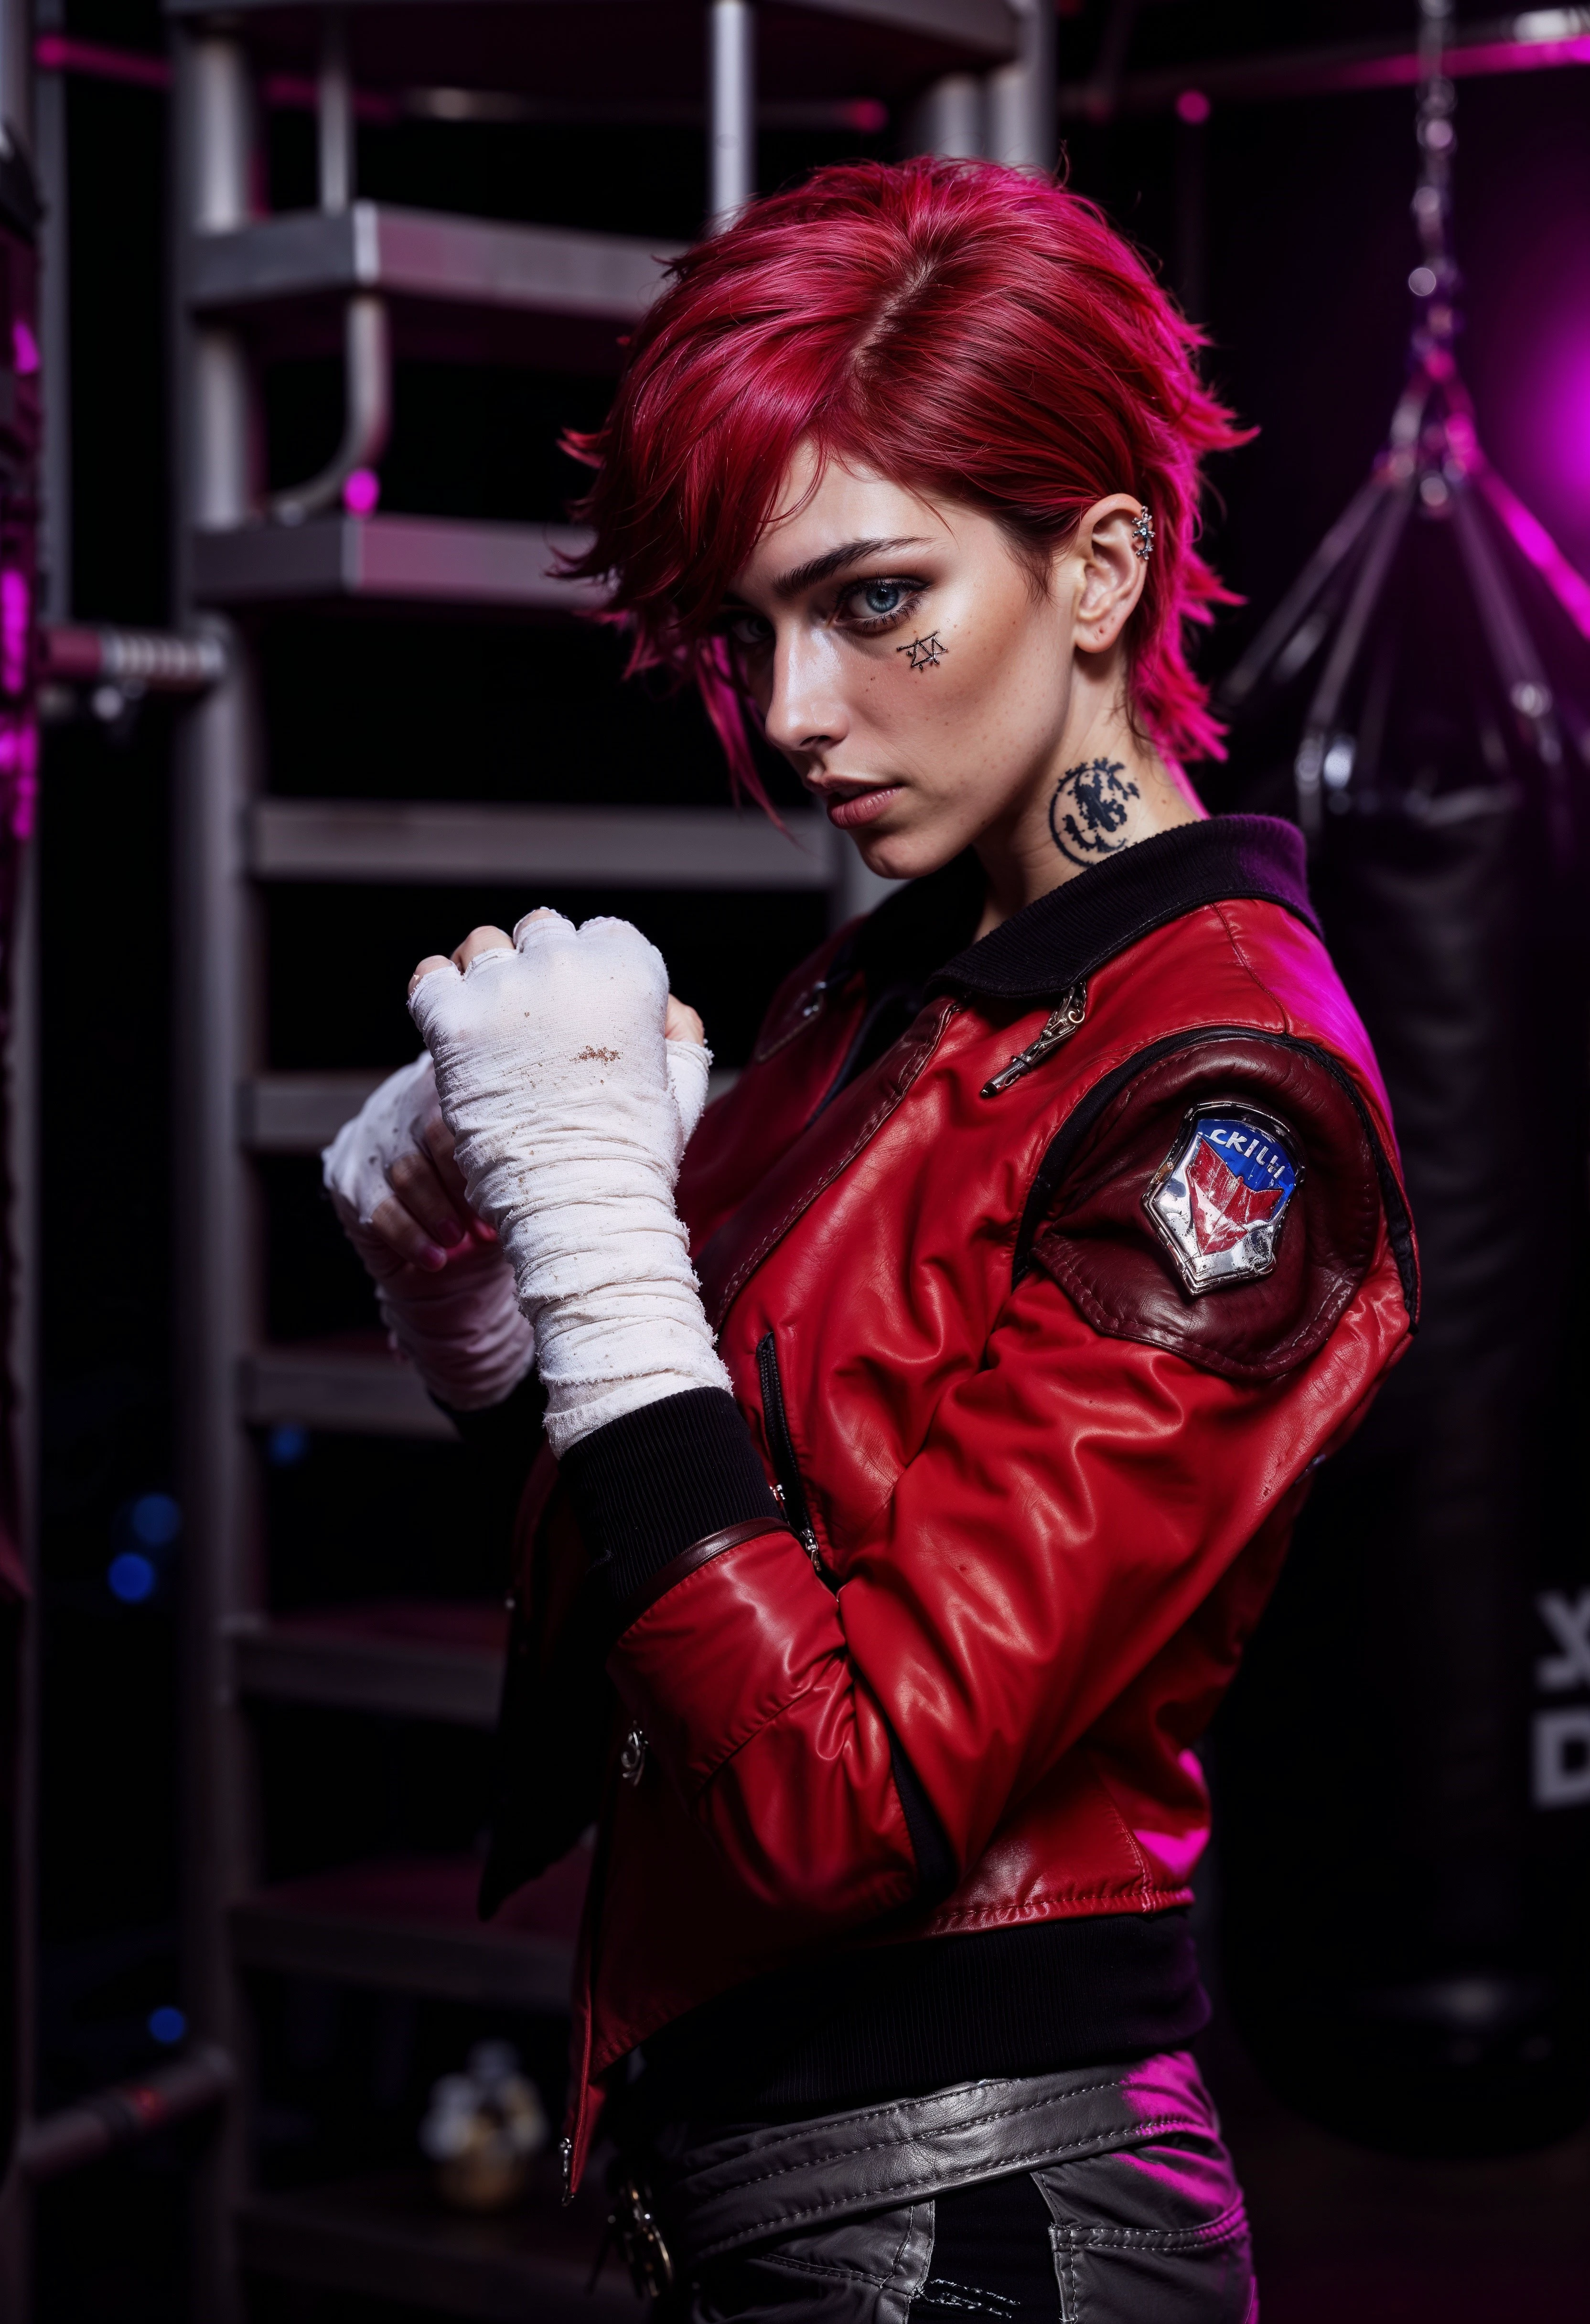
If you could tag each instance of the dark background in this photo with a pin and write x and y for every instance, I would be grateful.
(1307, 243)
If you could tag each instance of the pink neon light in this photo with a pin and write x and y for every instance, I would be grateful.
(18, 774)
(1570, 588)
(24, 349)
(362, 493)
(1193, 107)
(53, 52)
(288, 94)
(1484, 57)
(15, 606)
(865, 113)
(1175, 1852)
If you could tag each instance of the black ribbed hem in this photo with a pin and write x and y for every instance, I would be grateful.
(650, 1485)
(899, 2020)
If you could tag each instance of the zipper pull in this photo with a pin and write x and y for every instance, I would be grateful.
(566, 2163)
(1062, 1023)
(802, 1533)
(632, 1756)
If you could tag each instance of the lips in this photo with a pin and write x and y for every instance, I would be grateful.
(860, 806)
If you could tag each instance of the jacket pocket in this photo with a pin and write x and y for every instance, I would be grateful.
(789, 1489)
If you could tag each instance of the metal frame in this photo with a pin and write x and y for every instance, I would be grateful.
(235, 276)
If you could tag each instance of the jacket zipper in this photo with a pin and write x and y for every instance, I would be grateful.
(790, 1492)
(1062, 1024)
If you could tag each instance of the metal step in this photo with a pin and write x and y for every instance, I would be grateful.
(353, 1391)
(408, 1924)
(404, 1658)
(690, 847)
(301, 1113)
(430, 255)
(389, 559)
(388, 2238)
(917, 33)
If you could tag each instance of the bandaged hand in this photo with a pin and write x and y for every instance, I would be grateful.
(570, 1111)
(442, 1282)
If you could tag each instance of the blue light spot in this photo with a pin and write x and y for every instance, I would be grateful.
(287, 1445)
(155, 1519)
(132, 1578)
(166, 2026)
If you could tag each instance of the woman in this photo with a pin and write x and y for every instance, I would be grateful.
(1051, 1236)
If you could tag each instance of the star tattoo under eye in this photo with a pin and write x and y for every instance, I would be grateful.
(1087, 813)
(925, 653)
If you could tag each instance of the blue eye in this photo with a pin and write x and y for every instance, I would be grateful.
(749, 630)
(881, 597)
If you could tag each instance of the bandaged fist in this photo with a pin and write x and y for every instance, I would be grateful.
(443, 1283)
(390, 1173)
(570, 1111)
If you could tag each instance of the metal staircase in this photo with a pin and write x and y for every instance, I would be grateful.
(383, 280)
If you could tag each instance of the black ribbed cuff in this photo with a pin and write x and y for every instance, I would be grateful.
(514, 1425)
(645, 1487)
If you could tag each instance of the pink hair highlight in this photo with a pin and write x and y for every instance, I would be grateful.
(974, 332)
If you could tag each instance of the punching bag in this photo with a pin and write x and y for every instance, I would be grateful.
(1403, 1767)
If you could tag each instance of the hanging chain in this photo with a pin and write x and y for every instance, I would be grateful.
(1434, 282)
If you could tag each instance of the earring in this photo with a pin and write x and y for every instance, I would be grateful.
(1143, 534)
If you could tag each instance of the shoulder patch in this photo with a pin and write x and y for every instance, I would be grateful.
(1220, 1199)
(1225, 1204)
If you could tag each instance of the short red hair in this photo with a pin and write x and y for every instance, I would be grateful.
(971, 332)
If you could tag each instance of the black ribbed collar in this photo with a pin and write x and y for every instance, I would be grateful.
(1074, 929)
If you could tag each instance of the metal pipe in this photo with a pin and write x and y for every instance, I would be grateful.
(1022, 120)
(222, 121)
(367, 390)
(947, 119)
(158, 661)
(214, 776)
(367, 353)
(731, 109)
(50, 116)
(121, 2116)
(334, 112)
(16, 74)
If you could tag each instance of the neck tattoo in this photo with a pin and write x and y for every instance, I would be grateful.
(1087, 813)
(925, 653)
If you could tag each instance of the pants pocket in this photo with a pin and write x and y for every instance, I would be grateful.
(1137, 2275)
(855, 2270)
(1154, 2233)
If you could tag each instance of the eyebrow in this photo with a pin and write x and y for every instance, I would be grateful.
(824, 569)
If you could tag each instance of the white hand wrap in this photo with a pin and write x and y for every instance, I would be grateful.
(571, 1113)
(461, 1328)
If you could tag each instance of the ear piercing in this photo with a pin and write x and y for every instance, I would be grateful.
(1143, 534)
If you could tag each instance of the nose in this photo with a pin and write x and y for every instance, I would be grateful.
(807, 711)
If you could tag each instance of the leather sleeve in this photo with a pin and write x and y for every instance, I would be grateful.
(1101, 1243)
(1077, 1499)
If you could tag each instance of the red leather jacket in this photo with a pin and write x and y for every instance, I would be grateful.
(1034, 1490)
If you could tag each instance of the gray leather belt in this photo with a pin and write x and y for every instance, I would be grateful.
(716, 2197)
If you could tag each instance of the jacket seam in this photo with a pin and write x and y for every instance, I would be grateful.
(983, 1916)
(1145, 1880)
(1283, 1355)
(1270, 995)
(770, 1718)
